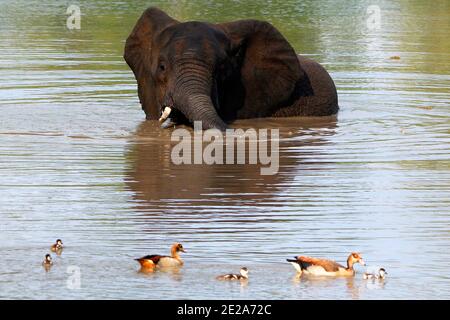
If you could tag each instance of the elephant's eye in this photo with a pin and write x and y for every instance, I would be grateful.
(162, 67)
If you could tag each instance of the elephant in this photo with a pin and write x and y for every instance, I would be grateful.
(217, 73)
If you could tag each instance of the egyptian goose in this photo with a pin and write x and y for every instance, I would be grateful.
(58, 246)
(242, 276)
(323, 267)
(47, 263)
(381, 274)
(156, 260)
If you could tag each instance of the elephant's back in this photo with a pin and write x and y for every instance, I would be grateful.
(321, 81)
(315, 93)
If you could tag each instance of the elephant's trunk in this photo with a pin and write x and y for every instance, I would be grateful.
(192, 96)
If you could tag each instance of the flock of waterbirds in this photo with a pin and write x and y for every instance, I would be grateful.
(304, 265)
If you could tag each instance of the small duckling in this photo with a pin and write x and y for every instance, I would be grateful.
(242, 276)
(47, 263)
(58, 246)
(381, 274)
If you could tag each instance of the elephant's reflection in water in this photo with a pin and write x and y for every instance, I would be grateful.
(159, 184)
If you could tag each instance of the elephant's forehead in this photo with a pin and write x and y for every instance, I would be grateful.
(198, 46)
(192, 29)
(192, 34)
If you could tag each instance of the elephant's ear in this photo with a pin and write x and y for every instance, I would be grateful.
(270, 68)
(138, 55)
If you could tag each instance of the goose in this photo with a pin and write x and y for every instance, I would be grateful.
(156, 260)
(324, 267)
(242, 276)
(380, 274)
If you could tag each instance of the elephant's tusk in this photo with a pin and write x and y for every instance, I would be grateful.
(165, 114)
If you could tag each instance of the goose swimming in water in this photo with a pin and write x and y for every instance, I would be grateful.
(324, 267)
(151, 261)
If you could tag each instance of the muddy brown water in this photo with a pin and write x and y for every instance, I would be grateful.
(78, 161)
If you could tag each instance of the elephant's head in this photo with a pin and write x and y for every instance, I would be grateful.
(206, 72)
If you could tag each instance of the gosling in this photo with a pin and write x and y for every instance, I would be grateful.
(47, 261)
(58, 246)
(380, 274)
(242, 276)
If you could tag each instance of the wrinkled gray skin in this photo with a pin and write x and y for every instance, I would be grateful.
(216, 73)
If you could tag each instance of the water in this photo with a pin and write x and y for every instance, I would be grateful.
(78, 161)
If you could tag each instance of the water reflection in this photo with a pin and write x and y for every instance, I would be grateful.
(349, 285)
(157, 182)
(175, 274)
(376, 284)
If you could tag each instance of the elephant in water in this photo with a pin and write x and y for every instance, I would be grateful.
(216, 73)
